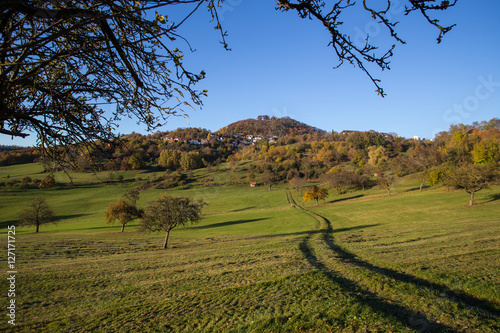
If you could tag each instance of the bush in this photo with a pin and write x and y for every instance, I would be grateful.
(47, 182)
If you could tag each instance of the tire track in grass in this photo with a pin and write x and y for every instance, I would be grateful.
(417, 321)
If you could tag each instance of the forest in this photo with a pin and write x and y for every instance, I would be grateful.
(289, 151)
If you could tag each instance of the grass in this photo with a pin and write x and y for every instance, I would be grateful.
(260, 262)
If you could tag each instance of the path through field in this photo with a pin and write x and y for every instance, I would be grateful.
(388, 292)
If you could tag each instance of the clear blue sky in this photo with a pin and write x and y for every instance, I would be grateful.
(280, 65)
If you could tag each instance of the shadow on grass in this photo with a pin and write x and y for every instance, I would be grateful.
(347, 198)
(6, 224)
(313, 232)
(417, 189)
(108, 227)
(61, 218)
(242, 209)
(455, 296)
(225, 224)
(354, 228)
(493, 197)
(405, 316)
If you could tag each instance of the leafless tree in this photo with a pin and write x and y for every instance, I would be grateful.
(37, 213)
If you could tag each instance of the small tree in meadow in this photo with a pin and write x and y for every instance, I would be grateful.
(168, 212)
(472, 178)
(122, 210)
(37, 213)
(386, 181)
(298, 183)
(132, 196)
(269, 178)
(315, 193)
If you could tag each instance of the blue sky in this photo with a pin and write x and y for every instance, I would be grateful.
(280, 65)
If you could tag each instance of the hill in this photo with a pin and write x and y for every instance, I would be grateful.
(269, 126)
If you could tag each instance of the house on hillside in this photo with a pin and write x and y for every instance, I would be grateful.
(194, 142)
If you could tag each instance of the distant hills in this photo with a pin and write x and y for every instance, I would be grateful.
(268, 126)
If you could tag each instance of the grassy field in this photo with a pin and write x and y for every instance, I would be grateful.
(259, 261)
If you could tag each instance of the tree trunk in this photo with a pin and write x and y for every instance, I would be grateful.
(123, 227)
(421, 185)
(471, 201)
(166, 239)
(37, 226)
(388, 191)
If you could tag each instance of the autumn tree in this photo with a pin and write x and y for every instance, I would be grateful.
(37, 213)
(423, 176)
(136, 161)
(298, 183)
(167, 212)
(48, 181)
(60, 61)
(122, 210)
(269, 177)
(132, 196)
(191, 160)
(315, 193)
(423, 159)
(377, 156)
(472, 178)
(341, 181)
(486, 151)
(386, 181)
(170, 159)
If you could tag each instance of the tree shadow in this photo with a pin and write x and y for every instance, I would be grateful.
(242, 209)
(354, 228)
(407, 317)
(152, 169)
(493, 197)
(225, 224)
(455, 296)
(417, 189)
(298, 233)
(348, 198)
(60, 218)
(6, 224)
(108, 227)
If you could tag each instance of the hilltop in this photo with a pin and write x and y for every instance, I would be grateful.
(268, 126)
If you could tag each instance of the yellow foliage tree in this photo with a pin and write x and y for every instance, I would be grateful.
(123, 211)
(315, 193)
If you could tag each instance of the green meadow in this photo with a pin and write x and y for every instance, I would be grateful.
(259, 260)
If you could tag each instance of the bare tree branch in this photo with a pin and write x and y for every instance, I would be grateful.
(342, 43)
(62, 61)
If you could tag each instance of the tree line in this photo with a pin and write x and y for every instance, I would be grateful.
(344, 161)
